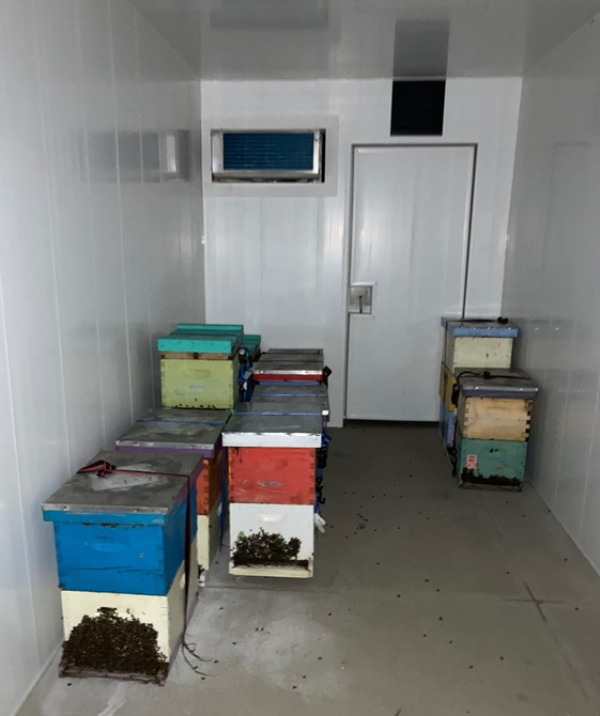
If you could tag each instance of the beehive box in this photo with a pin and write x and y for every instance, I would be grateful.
(292, 356)
(211, 328)
(478, 344)
(125, 533)
(272, 459)
(209, 536)
(272, 475)
(498, 407)
(188, 345)
(304, 352)
(447, 425)
(101, 618)
(448, 382)
(262, 404)
(270, 368)
(200, 368)
(285, 389)
(272, 540)
(252, 343)
(498, 463)
(188, 436)
(186, 415)
(262, 431)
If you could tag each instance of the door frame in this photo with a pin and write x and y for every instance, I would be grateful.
(349, 250)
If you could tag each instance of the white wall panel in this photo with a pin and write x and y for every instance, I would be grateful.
(88, 276)
(277, 255)
(552, 285)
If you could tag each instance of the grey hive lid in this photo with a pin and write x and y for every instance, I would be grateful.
(269, 357)
(172, 434)
(296, 351)
(289, 367)
(163, 483)
(288, 389)
(503, 384)
(480, 328)
(217, 417)
(284, 405)
(273, 431)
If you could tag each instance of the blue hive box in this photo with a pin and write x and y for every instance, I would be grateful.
(126, 532)
(448, 425)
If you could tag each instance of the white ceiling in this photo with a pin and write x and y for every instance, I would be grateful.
(304, 39)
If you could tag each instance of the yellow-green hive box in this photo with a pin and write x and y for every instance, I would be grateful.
(199, 372)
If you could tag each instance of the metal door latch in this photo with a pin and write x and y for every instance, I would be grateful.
(361, 298)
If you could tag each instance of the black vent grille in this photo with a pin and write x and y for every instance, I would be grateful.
(418, 108)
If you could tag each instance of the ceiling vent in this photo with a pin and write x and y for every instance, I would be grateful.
(268, 156)
(418, 108)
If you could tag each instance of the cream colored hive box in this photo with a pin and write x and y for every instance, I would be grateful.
(496, 405)
(478, 344)
(164, 613)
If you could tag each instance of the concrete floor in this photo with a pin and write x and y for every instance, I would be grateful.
(426, 600)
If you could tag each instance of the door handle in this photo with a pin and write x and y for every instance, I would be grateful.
(361, 298)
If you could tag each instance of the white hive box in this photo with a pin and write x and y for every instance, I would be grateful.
(287, 521)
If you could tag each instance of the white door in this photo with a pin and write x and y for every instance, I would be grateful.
(411, 213)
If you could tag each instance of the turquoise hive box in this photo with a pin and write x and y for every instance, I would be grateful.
(126, 532)
(499, 463)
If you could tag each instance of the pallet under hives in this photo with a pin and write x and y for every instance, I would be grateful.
(272, 463)
(125, 534)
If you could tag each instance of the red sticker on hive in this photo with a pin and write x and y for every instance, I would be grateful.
(471, 462)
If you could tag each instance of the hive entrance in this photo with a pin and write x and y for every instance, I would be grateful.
(110, 644)
(264, 548)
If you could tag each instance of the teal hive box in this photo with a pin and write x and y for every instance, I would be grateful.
(499, 463)
(184, 342)
(211, 327)
(252, 343)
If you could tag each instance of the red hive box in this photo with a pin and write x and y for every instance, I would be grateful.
(209, 484)
(283, 476)
(288, 377)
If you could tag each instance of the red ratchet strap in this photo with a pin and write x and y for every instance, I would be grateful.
(103, 469)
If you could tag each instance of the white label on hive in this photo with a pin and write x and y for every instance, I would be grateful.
(471, 462)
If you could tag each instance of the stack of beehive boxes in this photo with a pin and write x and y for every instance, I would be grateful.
(134, 527)
(200, 366)
(125, 534)
(485, 406)
(469, 345)
(494, 419)
(275, 449)
(195, 432)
